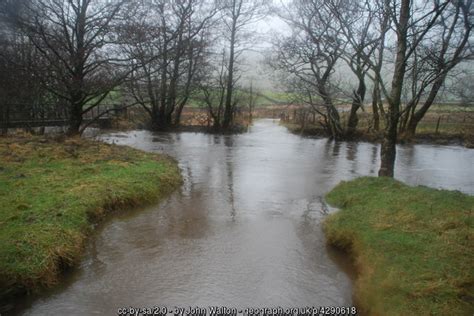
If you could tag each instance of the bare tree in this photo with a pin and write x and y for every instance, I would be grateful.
(77, 39)
(388, 150)
(167, 46)
(236, 16)
(404, 17)
(213, 88)
(443, 48)
(23, 73)
(310, 56)
(355, 21)
(381, 9)
(251, 100)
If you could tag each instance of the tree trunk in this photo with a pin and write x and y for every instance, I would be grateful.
(375, 109)
(228, 109)
(388, 155)
(388, 149)
(333, 119)
(353, 120)
(410, 129)
(160, 120)
(155, 116)
(76, 93)
(75, 120)
(418, 115)
(405, 117)
(357, 102)
(178, 112)
(334, 124)
(172, 94)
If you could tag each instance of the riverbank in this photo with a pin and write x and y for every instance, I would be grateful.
(421, 137)
(52, 192)
(412, 246)
(234, 130)
(121, 125)
(193, 120)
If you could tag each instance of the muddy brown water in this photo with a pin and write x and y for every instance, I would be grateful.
(244, 230)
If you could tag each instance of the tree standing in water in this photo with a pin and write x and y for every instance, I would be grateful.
(405, 46)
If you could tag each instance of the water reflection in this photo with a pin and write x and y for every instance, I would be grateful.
(245, 228)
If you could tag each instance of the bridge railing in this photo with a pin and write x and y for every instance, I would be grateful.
(24, 115)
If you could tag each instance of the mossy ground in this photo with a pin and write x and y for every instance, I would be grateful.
(51, 192)
(412, 246)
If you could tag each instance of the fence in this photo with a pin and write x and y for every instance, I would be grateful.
(28, 116)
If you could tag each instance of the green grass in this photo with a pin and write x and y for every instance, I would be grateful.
(262, 98)
(52, 192)
(447, 108)
(114, 97)
(412, 246)
(269, 97)
(446, 129)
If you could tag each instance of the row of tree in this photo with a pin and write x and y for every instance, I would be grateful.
(73, 54)
(70, 55)
(394, 49)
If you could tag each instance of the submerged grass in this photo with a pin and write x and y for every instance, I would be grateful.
(412, 246)
(51, 192)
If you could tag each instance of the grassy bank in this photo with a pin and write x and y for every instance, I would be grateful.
(423, 135)
(412, 246)
(442, 124)
(51, 192)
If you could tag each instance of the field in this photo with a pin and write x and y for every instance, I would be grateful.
(412, 246)
(53, 191)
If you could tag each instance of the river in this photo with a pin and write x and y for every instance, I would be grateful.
(244, 230)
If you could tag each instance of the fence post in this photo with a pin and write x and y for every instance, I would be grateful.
(437, 124)
(5, 119)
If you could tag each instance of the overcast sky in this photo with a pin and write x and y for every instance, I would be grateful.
(255, 69)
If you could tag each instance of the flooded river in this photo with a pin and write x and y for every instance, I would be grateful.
(245, 228)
